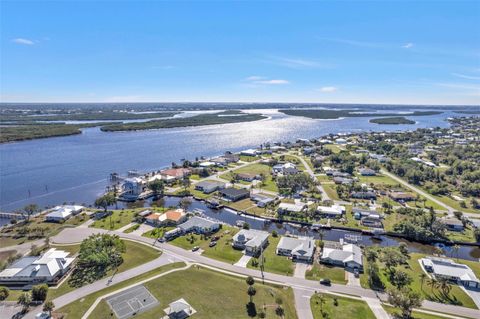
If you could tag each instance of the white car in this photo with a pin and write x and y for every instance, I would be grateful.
(42, 315)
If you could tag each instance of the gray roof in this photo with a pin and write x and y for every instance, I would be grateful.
(297, 246)
(349, 252)
(235, 192)
(197, 222)
(208, 183)
(251, 237)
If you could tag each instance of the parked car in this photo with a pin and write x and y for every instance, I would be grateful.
(215, 238)
(195, 248)
(325, 281)
(356, 273)
(212, 244)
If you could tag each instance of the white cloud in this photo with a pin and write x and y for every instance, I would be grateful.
(23, 41)
(408, 45)
(328, 89)
(255, 79)
(468, 77)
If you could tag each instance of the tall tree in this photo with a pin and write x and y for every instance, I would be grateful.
(251, 292)
(48, 306)
(105, 201)
(405, 299)
(29, 210)
(25, 300)
(157, 186)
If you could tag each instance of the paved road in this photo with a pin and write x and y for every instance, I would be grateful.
(376, 307)
(302, 303)
(73, 235)
(312, 174)
(24, 248)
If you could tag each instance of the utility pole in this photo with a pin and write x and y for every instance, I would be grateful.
(261, 264)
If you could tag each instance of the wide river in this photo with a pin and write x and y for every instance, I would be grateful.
(76, 168)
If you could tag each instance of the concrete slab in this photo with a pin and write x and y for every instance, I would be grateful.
(142, 229)
(300, 270)
(132, 301)
(352, 280)
(242, 262)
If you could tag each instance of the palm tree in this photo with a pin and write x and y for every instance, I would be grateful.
(251, 292)
(444, 285)
(455, 249)
(49, 306)
(423, 276)
(250, 281)
(432, 282)
(321, 301)
(25, 299)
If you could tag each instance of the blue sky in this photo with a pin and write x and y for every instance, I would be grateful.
(402, 52)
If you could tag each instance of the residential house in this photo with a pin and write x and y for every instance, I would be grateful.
(447, 268)
(302, 248)
(62, 213)
(367, 172)
(342, 180)
(133, 187)
(231, 158)
(249, 152)
(261, 199)
(170, 217)
(285, 169)
(251, 240)
(335, 211)
(379, 157)
(199, 225)
(48, 268)
(234, 194)
(349, 256)
(173, 174)
(247, 177)
(285, 208)
(401, 196)
(308, 150)
(453, 224)
(369, 195)
(373, 221)
(208, 187)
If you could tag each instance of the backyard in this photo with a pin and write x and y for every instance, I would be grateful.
(272, 262)
(342, 308)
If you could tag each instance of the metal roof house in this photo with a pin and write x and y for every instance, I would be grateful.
(47, 268)
(335, 211)
(179, 309)
(447, 268)
(208, 187)
(62, 213)
(298, 248)
(235, 194)
(199, 225)
(251, 240)
(350, 256)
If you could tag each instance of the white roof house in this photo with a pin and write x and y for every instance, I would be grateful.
(301, 248)
(289, 207)
(251, 240)
(62, 213)
(39, 269)
(285, 169)
(350, 256)
(331, 211)
(447, 268)
(179, 309)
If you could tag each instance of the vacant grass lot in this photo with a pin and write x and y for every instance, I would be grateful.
(456, 296)
(77, 309)
(274, 263)
(319, 271)
(211, 294)
(223, 251)
(346, 308)
(257, 169)
(416, 314)
(122, 217)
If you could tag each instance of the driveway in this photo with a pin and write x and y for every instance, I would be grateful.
(243, 261)
(300, 269)
(352, 280)
(302, 303)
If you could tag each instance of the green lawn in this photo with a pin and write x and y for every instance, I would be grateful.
(158, 232)
(241, 204)
(119, 218)
(131, 229)
(331, 192)
(378, 179)
(211, 294)
(319, 271)
(257, 169)
(223, 251)
(273, 262)
(77, 309)
(416, 314)
(346, 308)
(456, 204)
(457, 296)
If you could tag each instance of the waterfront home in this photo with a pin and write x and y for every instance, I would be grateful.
(250, 240)
(169, 218)
(335, 211)
(261, 199)
(285, 208)
(341, 141)
(349, 256)
(301, 248)
(48, 268)
(364, 195)
(133, 187)
(234, 194)
(172, 234)
(285, 169)
(447, 268)
(453, 224)
(401, 196)
(208, 186)
(62, 213)
(359, 213)
(179, 309)
(220, 161)
(372, 221)
(199, 225)
(367, 172)
(231, 158)
(249, 152)
(207, 164)
(175, 173)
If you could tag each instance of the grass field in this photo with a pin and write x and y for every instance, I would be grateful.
(331, 192)
(415, 315)
(456, 296)
(319, 271)
(257, 169)
(346, 308)
(119, 218)
(77, 309)
(223, 251)
(274, 263)
(211, 294)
